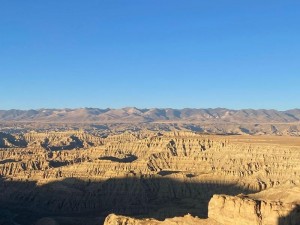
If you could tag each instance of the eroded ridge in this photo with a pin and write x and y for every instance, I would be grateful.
(73, 174)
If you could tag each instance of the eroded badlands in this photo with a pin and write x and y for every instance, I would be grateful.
(148, 178)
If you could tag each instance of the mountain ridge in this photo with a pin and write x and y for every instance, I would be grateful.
(133, 114)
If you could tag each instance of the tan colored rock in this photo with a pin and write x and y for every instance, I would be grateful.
(155, 174)
(236, 210)
(186, 220)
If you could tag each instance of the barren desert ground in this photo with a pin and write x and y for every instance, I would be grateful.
(176, 177)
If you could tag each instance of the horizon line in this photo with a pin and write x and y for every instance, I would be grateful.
(147, 108)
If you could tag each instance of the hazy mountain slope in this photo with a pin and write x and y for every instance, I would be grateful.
(152, 115)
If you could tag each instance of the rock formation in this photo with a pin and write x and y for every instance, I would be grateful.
(237, 210)
(79, 177)
(186, 220)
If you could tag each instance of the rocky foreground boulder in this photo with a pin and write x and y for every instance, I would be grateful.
(231, 210)
(237, 210)
(185, 220)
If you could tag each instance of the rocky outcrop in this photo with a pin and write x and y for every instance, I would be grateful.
(10, 141)
(236, 210)
(154, 174)
(186, 220)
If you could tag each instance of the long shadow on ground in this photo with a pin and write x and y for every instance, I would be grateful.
(156, 197)
(293, 218)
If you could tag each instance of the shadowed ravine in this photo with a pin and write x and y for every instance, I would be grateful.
(147, 175)
(292, 218)
(142, 197)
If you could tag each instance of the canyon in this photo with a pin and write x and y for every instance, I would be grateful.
(148, 177)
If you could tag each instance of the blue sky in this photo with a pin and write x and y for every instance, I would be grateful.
(158, 53)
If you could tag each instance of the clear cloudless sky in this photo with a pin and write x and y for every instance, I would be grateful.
(150, 53)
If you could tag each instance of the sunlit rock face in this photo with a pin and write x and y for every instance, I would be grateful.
(249, 210)
(235, 210)
(76, 174)
(185, 220)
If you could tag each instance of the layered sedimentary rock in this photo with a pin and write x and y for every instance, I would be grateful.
(246, 210)
(150, 174)
(236, 210)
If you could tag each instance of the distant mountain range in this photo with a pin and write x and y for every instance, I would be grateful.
(131, 115)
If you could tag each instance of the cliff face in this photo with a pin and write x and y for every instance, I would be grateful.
(236, 210)
(153, 174)
(177, 155)
(231, 210)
